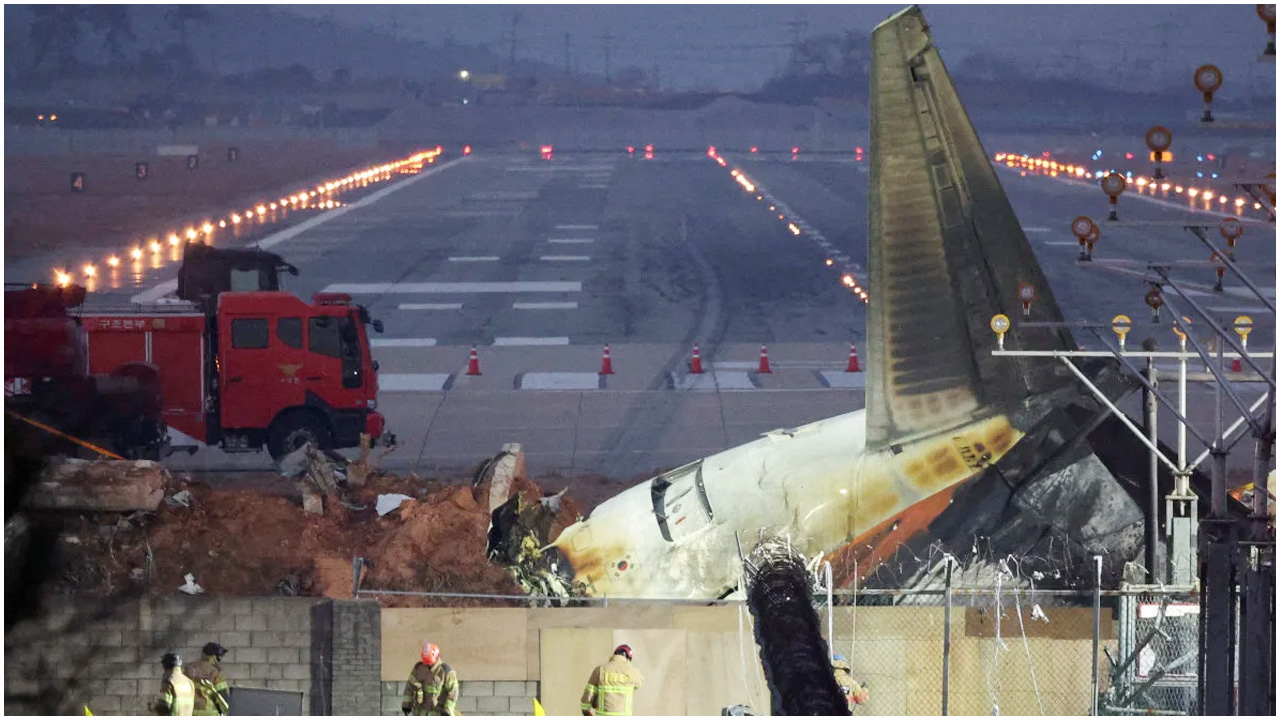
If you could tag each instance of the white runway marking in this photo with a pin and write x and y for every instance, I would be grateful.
(503, 195)
(841, 379)
(545, 306)
(430, 306)
(1035, 229)
(565, 258)
(436, 288)
(559, 381)
(402, 342)
(479, 213)
(715, 380)
(412, 382)
(474, 258)
(530, 341)
(593, 187)
(571, 241)
(577, 227)
(1073, 243)
(1239, 308)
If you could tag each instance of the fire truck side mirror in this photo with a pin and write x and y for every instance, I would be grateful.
(377, 326)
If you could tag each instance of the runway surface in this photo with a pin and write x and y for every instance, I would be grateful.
(540, 264)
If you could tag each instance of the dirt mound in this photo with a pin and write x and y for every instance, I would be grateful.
(246, 542)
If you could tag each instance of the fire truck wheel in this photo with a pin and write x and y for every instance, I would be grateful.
(293, 430)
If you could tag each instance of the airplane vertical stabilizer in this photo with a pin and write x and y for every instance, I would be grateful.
(946, 254)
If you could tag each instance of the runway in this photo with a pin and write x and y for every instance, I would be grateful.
(540, 264)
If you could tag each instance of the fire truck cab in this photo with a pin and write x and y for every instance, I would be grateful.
(265, 369)
(293, 372)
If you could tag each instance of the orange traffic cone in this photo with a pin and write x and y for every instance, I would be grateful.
(606, 362)
(853, 359)
(695, 365)
(473, 363)
(764, 360)
(1236, 366)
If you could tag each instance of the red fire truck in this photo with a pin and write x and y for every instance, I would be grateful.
(264, 368)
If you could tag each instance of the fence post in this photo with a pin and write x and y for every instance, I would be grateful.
(1097, 629)
(853, 614)
(946, 643)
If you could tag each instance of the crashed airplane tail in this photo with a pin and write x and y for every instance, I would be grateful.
(946, 254)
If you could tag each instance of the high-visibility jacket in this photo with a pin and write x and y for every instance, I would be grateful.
(211, 686)
(431, 690)
(611, 688)
(177, 694)
(854, 692)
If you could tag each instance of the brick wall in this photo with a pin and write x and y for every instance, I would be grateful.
(475, 697)
(107, 655)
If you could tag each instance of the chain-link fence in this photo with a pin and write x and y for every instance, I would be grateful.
(1019, 650)
(1002, 647)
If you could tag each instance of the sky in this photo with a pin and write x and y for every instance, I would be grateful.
(739, 47)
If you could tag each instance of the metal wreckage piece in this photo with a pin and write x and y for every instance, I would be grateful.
(958, 451)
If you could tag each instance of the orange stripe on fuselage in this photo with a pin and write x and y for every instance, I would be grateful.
(880, 543)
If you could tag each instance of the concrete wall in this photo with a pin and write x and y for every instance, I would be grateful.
(352, 658)
(107, 655)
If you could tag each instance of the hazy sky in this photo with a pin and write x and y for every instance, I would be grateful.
(736, 46)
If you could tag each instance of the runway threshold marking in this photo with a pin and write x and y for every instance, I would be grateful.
(430, 306)
(474, 258)
(559, 381)
(571, 241)
(412, 382)
(1036, 229)
(529, 341)
(433, 288)
(565, 258)
(577, 227)
(402, 342)
(545, 306)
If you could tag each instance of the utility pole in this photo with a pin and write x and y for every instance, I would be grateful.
(568, 41)
(511, 56)
(608, 48)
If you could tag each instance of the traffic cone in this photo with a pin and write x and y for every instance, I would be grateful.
(1236, 366)
(764, 360)
(473, 362)
(606, 362)
(695, 365)
(854, 366)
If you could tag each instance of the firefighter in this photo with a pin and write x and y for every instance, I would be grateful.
(433, 686)
(612, 686)
(211, 685)
(854, 692)
(177, 692)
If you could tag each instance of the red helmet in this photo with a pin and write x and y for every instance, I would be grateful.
(430, 654)
(623, 650)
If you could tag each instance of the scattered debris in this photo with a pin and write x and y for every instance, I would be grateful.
(359, 470)
(179, 499)
(99, 485)
(1037, 613)
(190, 587)
(435, 541)
(390, 503)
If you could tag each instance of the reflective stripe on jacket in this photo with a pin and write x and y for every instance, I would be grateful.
(211, 687)
(432, 690)
(178, 694)
(611, 688)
